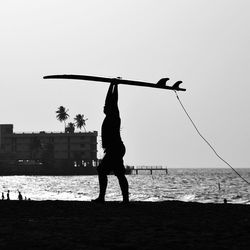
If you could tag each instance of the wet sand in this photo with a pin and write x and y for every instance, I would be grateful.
(138, 225)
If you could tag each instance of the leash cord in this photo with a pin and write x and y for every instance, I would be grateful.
(207, 141)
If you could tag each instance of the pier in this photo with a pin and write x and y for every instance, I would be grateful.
(150, 169)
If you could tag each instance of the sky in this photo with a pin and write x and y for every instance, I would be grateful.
(204, 43)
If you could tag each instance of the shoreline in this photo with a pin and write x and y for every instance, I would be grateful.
(113, 225)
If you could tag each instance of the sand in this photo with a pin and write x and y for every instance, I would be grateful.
(138, 225)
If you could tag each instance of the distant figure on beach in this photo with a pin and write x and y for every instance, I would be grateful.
(113, 147)
(20, 197)
(2, 196)
(8, 195)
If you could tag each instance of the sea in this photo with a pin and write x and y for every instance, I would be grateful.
(210, 185)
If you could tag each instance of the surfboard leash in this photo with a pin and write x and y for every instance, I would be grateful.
(205, 140)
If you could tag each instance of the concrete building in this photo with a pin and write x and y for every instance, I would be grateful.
(46, 153)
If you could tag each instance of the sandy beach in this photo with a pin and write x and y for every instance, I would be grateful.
(138, 225)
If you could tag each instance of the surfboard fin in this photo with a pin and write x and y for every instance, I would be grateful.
(162, 82)
(177, 85)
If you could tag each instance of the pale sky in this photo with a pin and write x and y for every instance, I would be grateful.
(204, 43)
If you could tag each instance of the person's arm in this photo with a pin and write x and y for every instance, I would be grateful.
(115, 95)
(111, 101)
(108, 99)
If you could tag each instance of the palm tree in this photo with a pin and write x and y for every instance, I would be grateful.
(70, 128)
(80, 121)
(62, 115)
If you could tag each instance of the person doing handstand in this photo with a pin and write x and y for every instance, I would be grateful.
(113, 147)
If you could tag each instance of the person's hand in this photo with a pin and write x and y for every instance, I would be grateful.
(116, 80)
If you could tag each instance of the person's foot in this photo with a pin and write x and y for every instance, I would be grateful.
(98, 200)
(125, 201)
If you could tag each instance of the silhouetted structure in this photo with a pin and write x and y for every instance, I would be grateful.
(150, 169)
(47, 153)
(113, 146)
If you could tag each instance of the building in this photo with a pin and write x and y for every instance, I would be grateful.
(47, 153)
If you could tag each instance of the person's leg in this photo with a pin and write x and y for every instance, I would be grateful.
(120, 172)
(124, 187)
(103, 182)
(102, 171)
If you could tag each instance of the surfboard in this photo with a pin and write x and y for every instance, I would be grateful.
(161, 84)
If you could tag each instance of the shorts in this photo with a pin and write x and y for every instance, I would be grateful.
(113, 161)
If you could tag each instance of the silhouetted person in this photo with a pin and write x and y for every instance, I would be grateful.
(8, 195)
(113, 146)
(20, 197)
(2, 196)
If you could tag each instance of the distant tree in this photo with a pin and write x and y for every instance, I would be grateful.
(62, 115)
(80, 121)
(70, 128)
